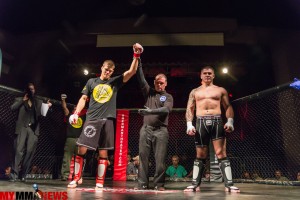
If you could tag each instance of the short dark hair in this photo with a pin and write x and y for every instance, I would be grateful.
(28, 85)
(109, 63)
(161, 76)
(207, 67)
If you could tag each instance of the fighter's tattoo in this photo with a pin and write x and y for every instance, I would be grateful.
(189, 115)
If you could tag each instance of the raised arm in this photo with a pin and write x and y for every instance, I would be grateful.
(64, 104)
(140, 77)
(137, 50)
(18, 102)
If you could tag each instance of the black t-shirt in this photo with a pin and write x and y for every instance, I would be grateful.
(74, 130)
(155, 100)
(103, 97)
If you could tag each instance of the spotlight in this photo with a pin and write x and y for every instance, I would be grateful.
(225, 70)
(85, 72)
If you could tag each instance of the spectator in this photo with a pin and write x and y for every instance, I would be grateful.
(256, 176)
(130, 165)
(279, 177)
(132, 171)
(246, 175)
(7, 174)
(206, 177)
(176, 170)
(72, 133)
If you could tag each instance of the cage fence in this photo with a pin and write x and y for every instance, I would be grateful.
(266, 136)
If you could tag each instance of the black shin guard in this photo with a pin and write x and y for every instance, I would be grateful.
(225, 168)
(198, 170)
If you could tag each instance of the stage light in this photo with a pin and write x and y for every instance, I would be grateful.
(225, 70)
(85, 72)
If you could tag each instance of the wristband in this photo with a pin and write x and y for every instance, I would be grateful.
(136, 55)
(76, 113)
(230, 120)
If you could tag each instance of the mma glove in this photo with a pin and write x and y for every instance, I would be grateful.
(190, 127)
(137, 52)
(229, 124)
(73, 118)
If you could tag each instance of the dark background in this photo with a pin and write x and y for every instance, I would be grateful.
(50, 42)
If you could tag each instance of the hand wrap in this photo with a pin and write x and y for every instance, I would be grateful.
(137, 50)
(190, 127)
(73, 118)
(229, 124)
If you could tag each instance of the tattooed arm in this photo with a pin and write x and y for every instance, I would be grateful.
(189, 115)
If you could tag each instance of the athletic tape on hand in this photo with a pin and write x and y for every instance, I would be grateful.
(140, 47)
(73, 119)
(189, 127)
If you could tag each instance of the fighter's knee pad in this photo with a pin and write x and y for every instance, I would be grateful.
(225, 168)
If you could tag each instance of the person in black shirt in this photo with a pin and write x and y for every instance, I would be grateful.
(27, 131)
(154, 133)
(98, 129)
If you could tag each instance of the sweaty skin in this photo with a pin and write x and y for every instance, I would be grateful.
(208, 98)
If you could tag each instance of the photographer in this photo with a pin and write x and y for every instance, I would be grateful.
(27, 131)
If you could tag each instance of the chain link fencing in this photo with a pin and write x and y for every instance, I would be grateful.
(266, 136)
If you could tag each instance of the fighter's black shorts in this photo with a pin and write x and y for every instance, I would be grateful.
(208, 128)
(97, 133)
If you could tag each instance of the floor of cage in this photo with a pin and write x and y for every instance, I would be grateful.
(123, 190)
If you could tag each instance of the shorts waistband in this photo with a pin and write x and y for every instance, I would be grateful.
(209, 117)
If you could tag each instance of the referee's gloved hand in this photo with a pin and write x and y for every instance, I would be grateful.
(144, 112)
(229, 125)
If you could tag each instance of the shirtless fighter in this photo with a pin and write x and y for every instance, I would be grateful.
(207, 100)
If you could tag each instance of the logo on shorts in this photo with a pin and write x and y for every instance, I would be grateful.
(163, 98)
(102, 93)
(89, 131)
